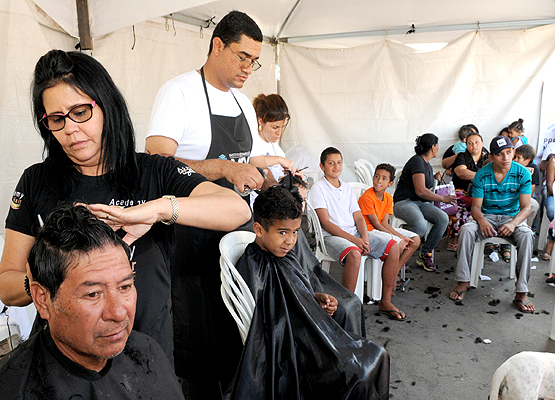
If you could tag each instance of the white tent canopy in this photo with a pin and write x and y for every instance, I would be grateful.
(345, 71)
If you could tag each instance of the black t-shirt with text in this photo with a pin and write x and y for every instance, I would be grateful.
(150, 254)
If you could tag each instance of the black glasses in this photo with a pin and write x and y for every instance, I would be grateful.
(244, 62)
(80, 113)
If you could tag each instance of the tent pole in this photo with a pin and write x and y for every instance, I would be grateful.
(277, 67)
(85, 39)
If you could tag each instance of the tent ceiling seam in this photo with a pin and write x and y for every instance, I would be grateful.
(401, 31)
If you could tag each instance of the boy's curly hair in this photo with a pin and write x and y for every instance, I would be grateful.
(389, 168)
(276, 203)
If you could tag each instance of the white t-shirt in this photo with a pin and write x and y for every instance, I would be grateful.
(180, 112)
(340, 202)
(262, 148)
(549, 149)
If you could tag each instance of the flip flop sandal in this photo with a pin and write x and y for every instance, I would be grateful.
(489, 248)
(459, 294)
(452, 247)
(392, 314)
(546, 257)
(520, 303)
(506, 256)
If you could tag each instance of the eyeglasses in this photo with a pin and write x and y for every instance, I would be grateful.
(80, 113)
(244, 62)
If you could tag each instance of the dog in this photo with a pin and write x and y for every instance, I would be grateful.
(525, 376)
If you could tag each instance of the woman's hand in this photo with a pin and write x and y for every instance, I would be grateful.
(437, 175)
(449, 199)
(136, 220)
(287, 164)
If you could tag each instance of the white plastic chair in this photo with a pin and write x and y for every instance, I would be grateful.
(370, 167)
(359, 188)
(363, 173)
(478, 259)
(235, 292)
(322, 253)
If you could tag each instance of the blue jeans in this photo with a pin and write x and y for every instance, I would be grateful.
(417, 214)
(548, 203)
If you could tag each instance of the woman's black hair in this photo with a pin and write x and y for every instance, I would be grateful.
(424, 143)
(517, 125)
(88, 76)
(475, 134)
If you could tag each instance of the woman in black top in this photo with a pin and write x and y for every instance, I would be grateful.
(464, 168)
(412, 201)
(89, 139)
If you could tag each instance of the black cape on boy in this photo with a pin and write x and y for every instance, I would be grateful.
(294, 349)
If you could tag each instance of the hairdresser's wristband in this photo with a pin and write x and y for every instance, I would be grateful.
(175, 210)
(26, 285)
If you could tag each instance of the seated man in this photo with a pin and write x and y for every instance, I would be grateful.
(82, 284)
(500, 206)
(343, 225)
(294, 349)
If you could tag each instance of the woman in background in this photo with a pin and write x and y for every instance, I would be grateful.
(273, 116)
(412, 201)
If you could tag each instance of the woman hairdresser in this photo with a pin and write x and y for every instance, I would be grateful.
(273, 116)
(90, 145)
(412, 201)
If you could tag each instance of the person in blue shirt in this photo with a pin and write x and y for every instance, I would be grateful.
(500, 206)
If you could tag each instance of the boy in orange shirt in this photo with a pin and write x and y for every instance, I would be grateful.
(376, 206)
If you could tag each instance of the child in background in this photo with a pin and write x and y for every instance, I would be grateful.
(525, 155)
(343, 225)
(460, 146)
(376, 206)
(515, 133)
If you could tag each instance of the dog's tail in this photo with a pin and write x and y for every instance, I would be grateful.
(498, 387)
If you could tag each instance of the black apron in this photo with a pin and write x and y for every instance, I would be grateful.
(207, 345)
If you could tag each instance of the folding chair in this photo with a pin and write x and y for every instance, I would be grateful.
(235, 292)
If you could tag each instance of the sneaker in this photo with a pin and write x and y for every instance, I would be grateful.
(551, 279)
(425, 261)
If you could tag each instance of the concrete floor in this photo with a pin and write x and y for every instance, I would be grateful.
(433, 353)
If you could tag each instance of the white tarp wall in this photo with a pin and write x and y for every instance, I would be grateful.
(372, 101)
(369, 101)
(160, 53)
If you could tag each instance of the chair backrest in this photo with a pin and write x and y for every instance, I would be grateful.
(314, 226)
(363, 173)
(359, 188)
(235, 292)
(369, 166)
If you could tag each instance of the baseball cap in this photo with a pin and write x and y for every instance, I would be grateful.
(500, 143)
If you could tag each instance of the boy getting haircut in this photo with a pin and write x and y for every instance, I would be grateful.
(293, 346)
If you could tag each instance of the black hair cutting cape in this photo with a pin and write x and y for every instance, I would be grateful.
(294, 349)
